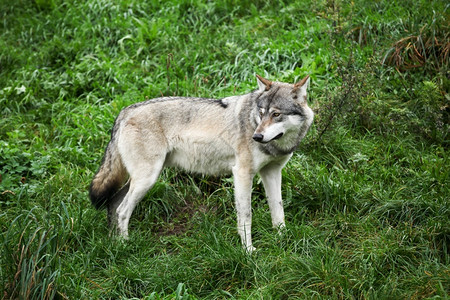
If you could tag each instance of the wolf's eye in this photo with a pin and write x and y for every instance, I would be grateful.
(276, 115)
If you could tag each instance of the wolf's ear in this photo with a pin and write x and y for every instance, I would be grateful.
(301, 87)
(264, 84)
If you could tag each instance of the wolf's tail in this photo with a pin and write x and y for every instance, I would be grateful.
(109, 178)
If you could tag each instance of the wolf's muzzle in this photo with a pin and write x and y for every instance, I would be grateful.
(260, 138)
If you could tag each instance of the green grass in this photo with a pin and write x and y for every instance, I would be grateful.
(366, 194)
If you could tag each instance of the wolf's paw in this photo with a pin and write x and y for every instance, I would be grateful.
(118, 233)
(123, 236)
(122, 239)
(281, 230)
(250, 249)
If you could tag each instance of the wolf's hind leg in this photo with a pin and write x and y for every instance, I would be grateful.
(142, 179)
(114, 204)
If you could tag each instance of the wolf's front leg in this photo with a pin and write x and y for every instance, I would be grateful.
(271, 178)
(243, 180)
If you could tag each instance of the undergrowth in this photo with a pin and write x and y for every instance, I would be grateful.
(366, 193)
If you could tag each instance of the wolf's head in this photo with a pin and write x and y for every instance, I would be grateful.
(281, 112)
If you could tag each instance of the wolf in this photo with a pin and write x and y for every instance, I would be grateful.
(254, 133)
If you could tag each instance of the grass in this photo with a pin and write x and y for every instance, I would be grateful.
(366, 194)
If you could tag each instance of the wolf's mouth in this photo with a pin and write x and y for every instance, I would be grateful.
(278, 136)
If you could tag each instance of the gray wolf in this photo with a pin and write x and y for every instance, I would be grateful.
(242, 135)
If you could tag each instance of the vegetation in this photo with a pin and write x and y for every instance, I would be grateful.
(366, 194)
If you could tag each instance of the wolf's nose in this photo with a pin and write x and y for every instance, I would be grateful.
(258, 137)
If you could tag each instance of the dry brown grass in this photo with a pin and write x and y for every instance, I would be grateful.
(429, 48)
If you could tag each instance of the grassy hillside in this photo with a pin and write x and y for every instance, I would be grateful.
(366, 194)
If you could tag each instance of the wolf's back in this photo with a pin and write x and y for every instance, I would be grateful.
(109, 178)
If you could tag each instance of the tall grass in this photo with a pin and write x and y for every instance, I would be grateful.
(366, 194)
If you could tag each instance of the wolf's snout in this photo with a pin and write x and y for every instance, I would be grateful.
(258, 137)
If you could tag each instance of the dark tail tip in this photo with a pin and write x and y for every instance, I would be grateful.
(100, 197)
